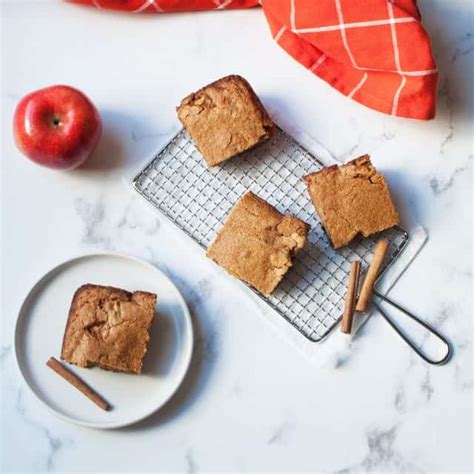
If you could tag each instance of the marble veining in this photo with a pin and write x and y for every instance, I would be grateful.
(191, 467)
(133, 221)
(450, 101)
(5, 352)
(342, 359)
(426, 386)
(464, 46)
(440, 186)
(54, 444)
(92, 216)
(382, 455)
(109, 227)
(399, 399)
(282, 433)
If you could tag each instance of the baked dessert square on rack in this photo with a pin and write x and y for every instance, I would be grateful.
(352, 199)
(257, 243)
(109, 328)
(225, 118)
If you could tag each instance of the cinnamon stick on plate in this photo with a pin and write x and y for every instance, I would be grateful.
(351, 295)
(73, 379)
(374, 269)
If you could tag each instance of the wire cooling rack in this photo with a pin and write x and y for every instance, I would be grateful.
(198, 199)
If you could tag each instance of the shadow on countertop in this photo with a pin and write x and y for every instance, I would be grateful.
(452, 48)
(110, 152)
(125, 142)
(199, 371)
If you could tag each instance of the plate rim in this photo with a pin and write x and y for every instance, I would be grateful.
(109, 253)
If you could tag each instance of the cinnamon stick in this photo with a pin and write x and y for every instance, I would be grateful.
(374, 269)
(351, 295)
(73, 379)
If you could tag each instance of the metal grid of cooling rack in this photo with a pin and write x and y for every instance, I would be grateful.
(198, 199)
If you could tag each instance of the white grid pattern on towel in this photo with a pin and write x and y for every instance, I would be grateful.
(342, 26)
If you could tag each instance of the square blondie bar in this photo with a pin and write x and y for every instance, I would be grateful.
(257, 243)
(352, 199)
(108, 327)
(225, 118)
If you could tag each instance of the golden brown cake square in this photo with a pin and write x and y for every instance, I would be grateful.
(108, 327)
(352, 199)
(257, 243)
(225, 118)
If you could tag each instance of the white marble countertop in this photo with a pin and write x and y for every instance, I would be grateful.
(250, 402)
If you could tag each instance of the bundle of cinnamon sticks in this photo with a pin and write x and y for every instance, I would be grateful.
(356, 301)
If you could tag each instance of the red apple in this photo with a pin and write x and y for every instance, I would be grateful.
(58, 127)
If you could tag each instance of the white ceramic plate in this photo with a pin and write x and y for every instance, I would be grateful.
(40, 327)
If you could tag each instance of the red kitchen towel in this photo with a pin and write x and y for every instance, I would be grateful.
(374, 51)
